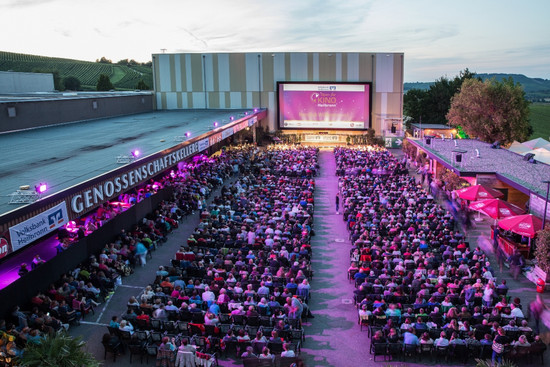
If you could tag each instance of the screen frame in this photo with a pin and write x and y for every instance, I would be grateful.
(369, 122)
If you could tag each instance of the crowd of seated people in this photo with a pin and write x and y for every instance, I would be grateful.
(245, 269)
(417, 280)
(79, 290)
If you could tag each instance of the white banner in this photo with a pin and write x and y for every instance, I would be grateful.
(38, 226)
(203, 144)
(227, 133)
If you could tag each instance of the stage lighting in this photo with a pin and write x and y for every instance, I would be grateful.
(135, 153)
(215, 123)
(255, 110)
(41, 188)
(231, 118)
(188, 134)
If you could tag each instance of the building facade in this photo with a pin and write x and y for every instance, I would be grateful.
(249, 80)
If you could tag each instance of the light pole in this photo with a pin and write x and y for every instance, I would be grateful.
(547, 182)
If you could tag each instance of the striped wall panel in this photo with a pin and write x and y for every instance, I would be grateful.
(246, 80)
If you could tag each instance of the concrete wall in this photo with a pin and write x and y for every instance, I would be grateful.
(28, 114)
(248, 80)
(12, 82)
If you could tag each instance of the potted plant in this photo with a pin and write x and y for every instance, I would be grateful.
(542, 254)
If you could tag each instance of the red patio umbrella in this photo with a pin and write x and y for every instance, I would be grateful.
(526, 225)
(478, 192)
(496, 208)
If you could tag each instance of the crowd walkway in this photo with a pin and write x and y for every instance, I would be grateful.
(333, 338)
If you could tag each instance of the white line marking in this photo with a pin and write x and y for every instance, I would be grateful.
(130, 286)
(93, 323)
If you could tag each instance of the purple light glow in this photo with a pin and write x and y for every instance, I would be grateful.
(188, 134)
(255, 110)
(215, 123)
(136, 153)
(41, 188)
(231, 118)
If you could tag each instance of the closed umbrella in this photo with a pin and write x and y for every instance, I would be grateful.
(478, 192)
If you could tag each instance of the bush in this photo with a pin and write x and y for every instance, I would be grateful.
(72, 83)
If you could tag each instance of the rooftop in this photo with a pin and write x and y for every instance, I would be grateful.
(65, 155)
(43, 96)
(432, 126)
(494, 161)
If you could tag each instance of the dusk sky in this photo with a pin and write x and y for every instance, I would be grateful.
(438, 37)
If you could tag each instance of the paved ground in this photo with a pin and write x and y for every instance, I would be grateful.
(333, 338)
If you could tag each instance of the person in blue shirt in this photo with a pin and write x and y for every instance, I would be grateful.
(409, 337)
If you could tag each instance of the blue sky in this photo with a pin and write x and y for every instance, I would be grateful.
(438, 37)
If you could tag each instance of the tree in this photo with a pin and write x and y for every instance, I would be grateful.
(60, 350)
(104, 60)
(71, 83)
(104, 83)
(433, 104)
(142, 86)
(492, 111)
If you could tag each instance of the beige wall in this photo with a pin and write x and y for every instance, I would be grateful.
(247, 80)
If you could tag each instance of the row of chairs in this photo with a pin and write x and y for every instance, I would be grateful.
(457, 352)
(278, 361)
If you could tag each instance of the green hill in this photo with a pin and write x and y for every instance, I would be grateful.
(123, 77)
(536, 89)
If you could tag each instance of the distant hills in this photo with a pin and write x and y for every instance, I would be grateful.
(125, 74)
(536, 89)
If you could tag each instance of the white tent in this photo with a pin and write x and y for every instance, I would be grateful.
(519, 148)
(536, 143)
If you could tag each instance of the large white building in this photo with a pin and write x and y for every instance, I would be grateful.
(248, 80)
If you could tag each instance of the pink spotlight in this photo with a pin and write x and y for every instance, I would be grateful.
(215, 123)
(136, 153)
(188, 134)
(255, 110)
(246, 113)
(231, 118)
(41, 188)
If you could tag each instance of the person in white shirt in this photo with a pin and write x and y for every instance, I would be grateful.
(208, 296)
(442, 341)
(287, 352)
(516, 312)
(126, 326)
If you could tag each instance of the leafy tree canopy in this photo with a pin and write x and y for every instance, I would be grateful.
(104, 83)
(431, 106)
(72, 83)
(104, 60)
(492, 111)
(142, 85)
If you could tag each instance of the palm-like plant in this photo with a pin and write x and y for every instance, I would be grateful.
(489, 363)
(59, 350)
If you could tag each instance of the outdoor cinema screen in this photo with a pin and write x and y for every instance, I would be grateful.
(324, 106)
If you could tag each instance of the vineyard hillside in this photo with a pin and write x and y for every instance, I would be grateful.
(123, 77)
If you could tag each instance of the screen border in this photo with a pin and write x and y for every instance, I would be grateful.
(323, 129)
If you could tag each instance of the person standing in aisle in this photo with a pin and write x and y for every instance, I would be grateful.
(337, 203)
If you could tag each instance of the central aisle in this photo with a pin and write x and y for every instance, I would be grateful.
(333, 337)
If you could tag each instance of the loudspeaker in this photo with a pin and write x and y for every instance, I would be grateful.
(458, 158)
(528, 157)
(393, 129)
(428, 141)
